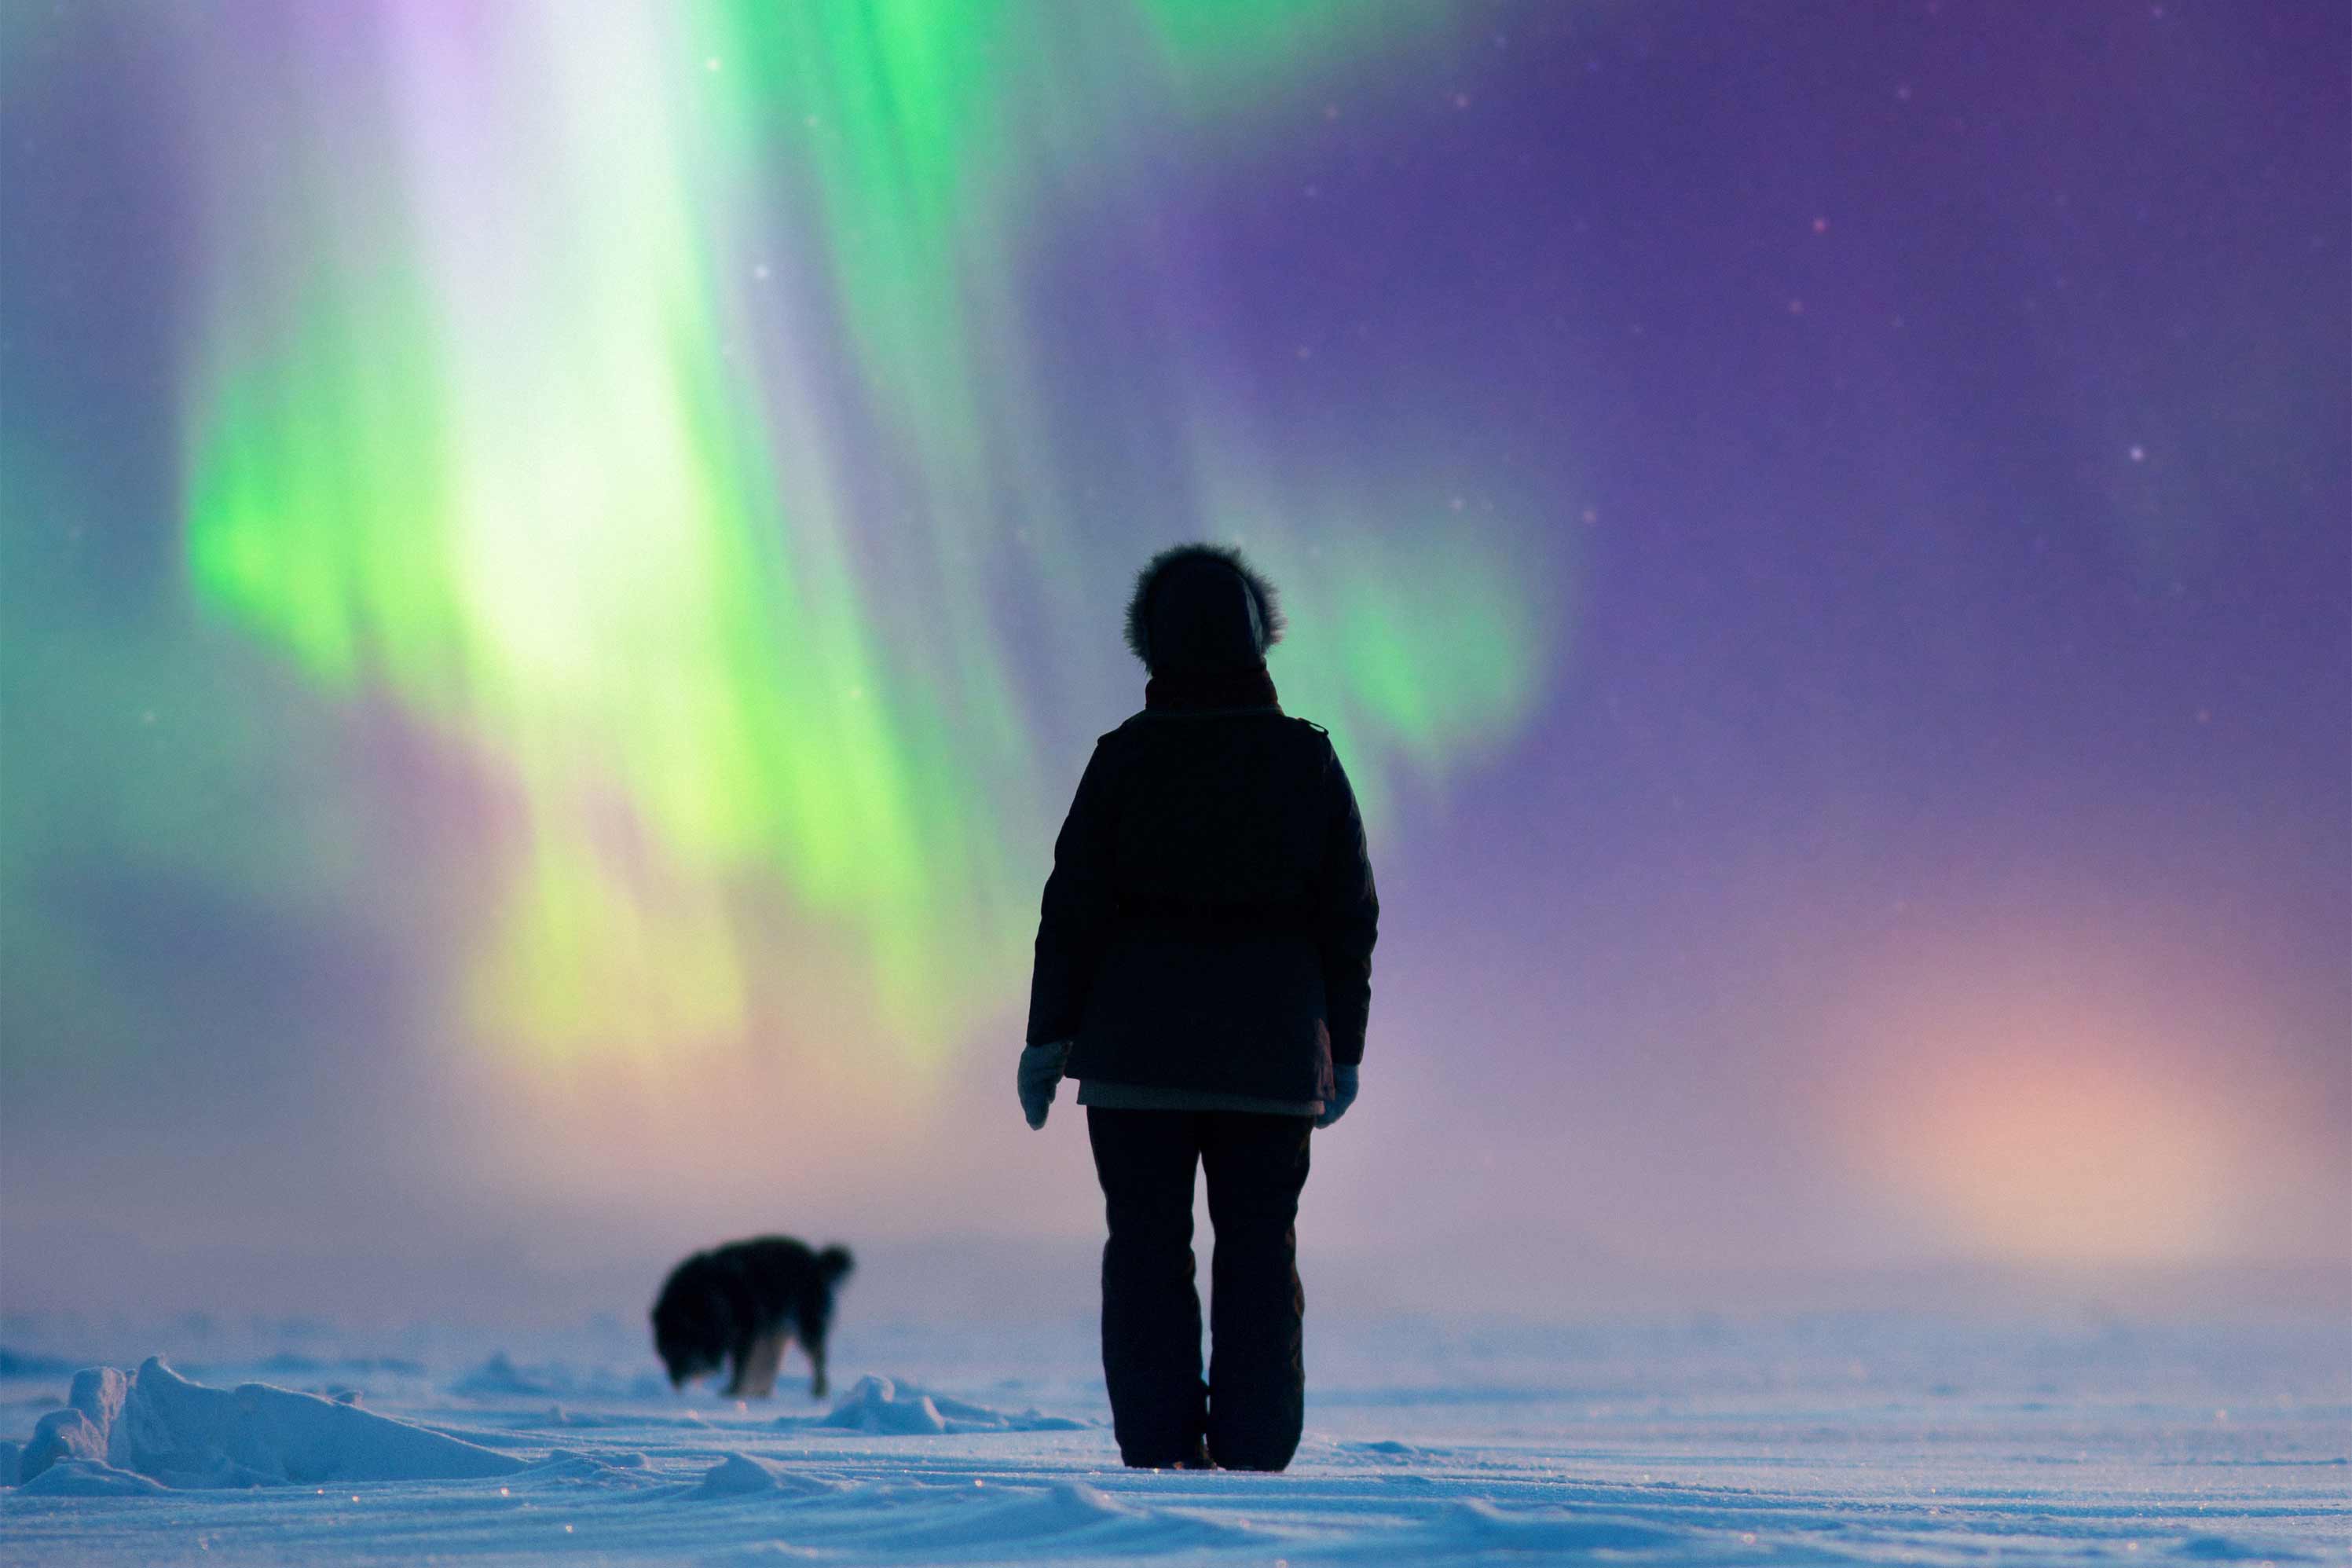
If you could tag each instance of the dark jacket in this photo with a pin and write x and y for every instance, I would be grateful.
(1210, 919)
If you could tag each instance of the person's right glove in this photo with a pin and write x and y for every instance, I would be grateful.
(1342, 1095)
(1041, 1070)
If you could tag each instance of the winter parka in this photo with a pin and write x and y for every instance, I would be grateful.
(1210, 919)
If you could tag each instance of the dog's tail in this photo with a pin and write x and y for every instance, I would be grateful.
(834, 1262)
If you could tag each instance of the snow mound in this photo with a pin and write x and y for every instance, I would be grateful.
(1068, 1507)
(90, 1477)
(1483, 1527)
(1022, 1523)
(62, 1436)
(1389, 1448)
(160, 1426)
(882, 1406)
(740, 1475)
(80, 1430)
(588, 1479)
(500, 1378)
(876, 1405)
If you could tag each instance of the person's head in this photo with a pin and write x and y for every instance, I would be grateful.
(1201, 609)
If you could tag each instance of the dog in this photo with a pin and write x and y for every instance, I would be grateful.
(743, 1303)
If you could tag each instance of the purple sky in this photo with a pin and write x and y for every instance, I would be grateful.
(1942, 412)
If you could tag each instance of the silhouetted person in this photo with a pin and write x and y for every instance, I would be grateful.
(1204, 969)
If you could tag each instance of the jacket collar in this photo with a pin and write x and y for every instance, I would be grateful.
(1193, 693)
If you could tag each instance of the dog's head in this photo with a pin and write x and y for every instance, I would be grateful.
(693, 1325)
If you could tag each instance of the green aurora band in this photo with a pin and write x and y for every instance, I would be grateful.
(545, 369)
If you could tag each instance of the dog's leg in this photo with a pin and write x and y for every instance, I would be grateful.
(816, 1361)
(741, 1367)
(766, 1358)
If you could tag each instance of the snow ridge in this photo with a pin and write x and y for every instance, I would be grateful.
(157, 1424)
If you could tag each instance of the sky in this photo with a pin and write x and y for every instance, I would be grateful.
(558, 570)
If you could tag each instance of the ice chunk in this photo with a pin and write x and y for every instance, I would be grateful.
(189, 1435)
(80, 1430)
(98, 1393)
(62, 1435)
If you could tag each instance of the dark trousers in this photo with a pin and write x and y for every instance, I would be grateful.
(1254, 1404)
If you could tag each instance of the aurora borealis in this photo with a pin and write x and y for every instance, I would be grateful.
(561, 432)
(560, 563)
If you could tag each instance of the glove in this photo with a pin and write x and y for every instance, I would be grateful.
(1041, 1070)
(1342, 1095)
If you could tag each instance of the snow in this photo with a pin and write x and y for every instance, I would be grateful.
(501, 1376)
(159, 1425)
(90, 1477)
(881, 1405)
(80, 1430)
(740, 1475)
(1859, 1440)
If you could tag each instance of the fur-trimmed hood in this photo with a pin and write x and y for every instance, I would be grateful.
(1202, 609)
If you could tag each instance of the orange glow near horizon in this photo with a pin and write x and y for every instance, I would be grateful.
(2026, 1129)
(2067, 1161)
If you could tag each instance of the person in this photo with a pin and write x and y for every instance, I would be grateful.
(1203, 970)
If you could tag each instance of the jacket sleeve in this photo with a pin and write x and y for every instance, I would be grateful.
(1347, 922)
(1076, 917)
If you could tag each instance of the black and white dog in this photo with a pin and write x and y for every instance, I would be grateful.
(744, 1303)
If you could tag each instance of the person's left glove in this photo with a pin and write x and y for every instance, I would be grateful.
(1343, 1094)
(1041, 1070)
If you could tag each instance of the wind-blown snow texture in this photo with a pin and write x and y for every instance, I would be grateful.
(1861, 1440)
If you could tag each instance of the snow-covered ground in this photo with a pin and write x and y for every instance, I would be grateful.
(1862, 1439)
